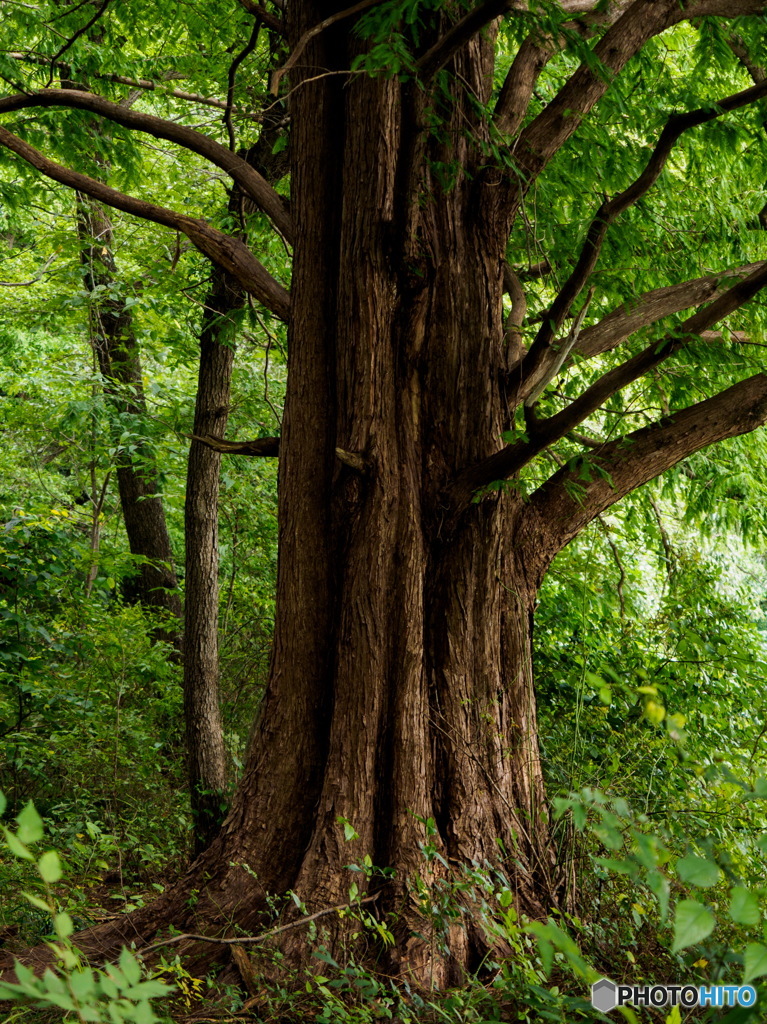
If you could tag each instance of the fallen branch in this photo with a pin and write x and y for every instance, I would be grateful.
(242, 940)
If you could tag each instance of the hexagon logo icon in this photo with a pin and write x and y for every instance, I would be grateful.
(604, 995)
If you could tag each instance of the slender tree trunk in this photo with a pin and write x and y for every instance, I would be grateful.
(119, 363)
(205, 745)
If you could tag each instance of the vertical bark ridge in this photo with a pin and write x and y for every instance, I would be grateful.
(288, 749)
(365, 508)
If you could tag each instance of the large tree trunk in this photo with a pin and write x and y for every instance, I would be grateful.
(400, 698)
(401, 683)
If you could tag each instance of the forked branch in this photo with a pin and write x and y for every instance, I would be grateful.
(229, 253)
(643, 20)
(250, 181)
(536, 364)
(533, 56)
(514, 456)
(652, 306)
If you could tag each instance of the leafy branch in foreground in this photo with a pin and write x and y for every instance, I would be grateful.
(113, 994)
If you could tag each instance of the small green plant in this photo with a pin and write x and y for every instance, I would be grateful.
(114, 994)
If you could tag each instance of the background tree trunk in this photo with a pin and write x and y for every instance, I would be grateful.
(119, 361)
(205, 743)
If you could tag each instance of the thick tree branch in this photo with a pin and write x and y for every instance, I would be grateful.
(270, 21)
(652, 306)
(262, 447)
(570, 499)
(513, 457)
(530, 60)
(229, 253)
(644, 19)
(250, 181)
(517, 89)
(535, 369)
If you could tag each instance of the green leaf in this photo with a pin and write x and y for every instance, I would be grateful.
(697, 871)
(36, 901)
(26, 978)
(30, 824)
(130, 967)
(144, 990)
(10, 992)
(49, 866)
(143, 1014)
(83, 984)
(754, 961)
(63, 925)
(108, 987)
(623, 867)
(693, 923)
(17, 849)
(744, 906)
(610, 837)
(659, 885)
